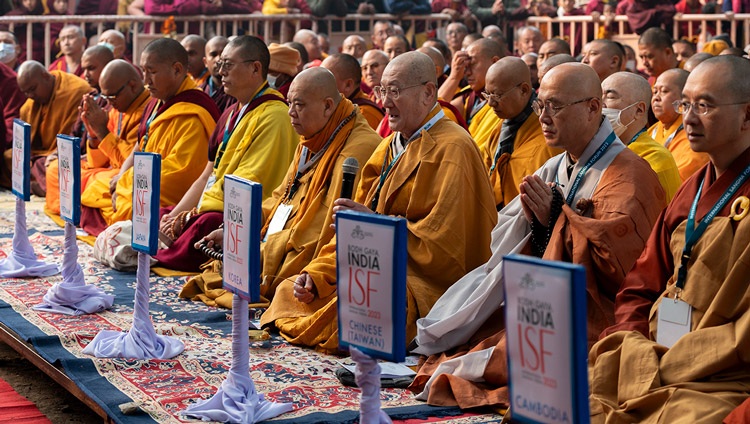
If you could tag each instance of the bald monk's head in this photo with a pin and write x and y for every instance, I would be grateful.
(509, 86)
(437, 58)
(695, 60)
(72, 41)
(94, 59)
(605, 56)
(35, 81)
(120, 83)
(164, 63)
(571, 96)
(482, 53)
(656, 52)
(724, 132)
(347, 71)
(553, 61)
(373, 65)
(313, 99)
(214, 47)
(550, 48)
(630, 94)
(395, 45)
(246, 60)
(115, 40)
(195, 46)
(309, 39)
(412, 76)
(667, 90)
(354, 45)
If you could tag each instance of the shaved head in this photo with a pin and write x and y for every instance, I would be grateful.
(655, 37)
(313, 97)
(121, 79)
(695, 60)
(605, 56)
(415, 72)
(354, 45)
(309, 39)
(489, 48)
(631, 87)
(35, 81)
(553, 61)
(677, 76)
(93, 61)
(509, 78)
(373, 65)
(116, 39)
(551, 47)
(167, 50)
(347, 71)
(214, 47)
(436, 56)
(631, 95)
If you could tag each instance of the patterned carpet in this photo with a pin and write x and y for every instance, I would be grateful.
(163, 388)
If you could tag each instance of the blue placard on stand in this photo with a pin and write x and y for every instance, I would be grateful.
(146, 192)
(242, 225)
(69, 173)
(21, 172)
(545, 318)
(371, 274)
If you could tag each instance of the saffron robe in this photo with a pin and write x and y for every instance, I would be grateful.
(438, 170)
(384, 128)
(483, 124)
(259, 149)
(105, 161)
(687, 160)
(706, 373)
(661, 161)
(621, 198)
(180, 135)
(369, 109)
(284, 254)
(61, 65)
(530, 152)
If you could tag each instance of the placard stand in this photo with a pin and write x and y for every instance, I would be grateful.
(22, 261)
(141, 341)
(237, 401)
(72, 296)
(367, 377)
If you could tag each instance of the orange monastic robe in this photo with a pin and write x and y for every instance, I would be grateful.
(369, 110)
(483, 124)
(530, 152)
(105, 161)
(436, 172)
(687, 160)
(180, 135)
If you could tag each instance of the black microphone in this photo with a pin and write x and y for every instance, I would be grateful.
(349, 168)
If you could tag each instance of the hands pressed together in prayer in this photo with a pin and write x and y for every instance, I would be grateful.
(304, 288)
(95, 119)
(536, 198)
(344, 204)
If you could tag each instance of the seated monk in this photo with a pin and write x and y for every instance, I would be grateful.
(253, 139)
(669, 131)
(516, 148)
(176, 124)
(348, 75)
(51, 108)
(598, 215)
(636, 376)
(626, 100)
(93, 61)
(318, 111)
(212, 85)
(435, 166)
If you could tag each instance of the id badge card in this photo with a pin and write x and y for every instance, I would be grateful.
(279, 219)
(674, 321)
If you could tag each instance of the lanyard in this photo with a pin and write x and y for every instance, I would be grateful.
(693, 233)
(476, 107)
(304, 164)
(119, 124)
(671, 136)
(148, 125)
(385, 171)
(211, 90)
(582, 172)
(635, 137)
(231, 125)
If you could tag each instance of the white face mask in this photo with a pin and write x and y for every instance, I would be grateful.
(7, 52)
(613, 115)
(271, 80)
(107, 45)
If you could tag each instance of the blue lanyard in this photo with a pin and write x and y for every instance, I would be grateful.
(635, 137)
(592, 160)
(119, 124)
(211, 90)
(229, 128)
(693, 233)
(385, 171)
(148, 125)
(671, 136)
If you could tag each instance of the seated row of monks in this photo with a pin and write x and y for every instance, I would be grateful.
(561, 175)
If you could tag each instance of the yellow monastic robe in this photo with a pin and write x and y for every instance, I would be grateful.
(372, 114)
(483, 124)
(661, 162)
(105, 161)
(57, 116)
(259, 149)
(438, 171)
(530, 152)
(180, 135)
(687, 160)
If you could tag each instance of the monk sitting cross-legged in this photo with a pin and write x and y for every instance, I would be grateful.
(436, 182)
(331, 130)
